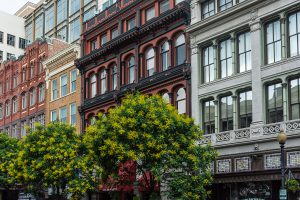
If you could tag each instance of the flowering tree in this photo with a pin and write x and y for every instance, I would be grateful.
(162, 144)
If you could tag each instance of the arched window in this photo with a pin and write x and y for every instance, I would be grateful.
(166, 97)
(1, 111)
(32, 96)
(92, 120)
(131, 65)
(41, 92)
(114, 77)
(15, 104)
(181, 101)
(165, 56)
(7, 108)
(93, 85)
(103, 81)
(180, 49)
(23, 75)
(150, 62)
(24, 100)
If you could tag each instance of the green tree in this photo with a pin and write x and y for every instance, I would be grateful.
(9, 149)
(51, 157)
(163, 145)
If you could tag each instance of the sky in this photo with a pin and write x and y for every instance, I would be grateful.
(12, 6)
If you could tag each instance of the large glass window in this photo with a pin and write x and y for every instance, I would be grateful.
(93, 86)
(180, 50)
(54, 90)
(150, 62)
(226, 58)
(24, 100)
(114, 77)
(74, 30)
(63, 85)
(41, 92)
(114, 33)
(208, 8)
(208, 64)
(49, 18)
(274, 103)
(73, 80)
(62, 34)
(103, 81)
(39, 26)
(164, 6)
(225, 4)
(181, 101)
(294, 90)
(150, 13)
(89, 14)
(74, 6)
(32, 97)
(294, 34)
(244, 52)
(73, 114)
(130, 24)
(63, 114)
(226, 113)
(15, 104)
(131, 66)
(273, 42)
(165, 55)
(62, 6)
(245, 109)
(28, 33)
(209, 117)
(104, 39)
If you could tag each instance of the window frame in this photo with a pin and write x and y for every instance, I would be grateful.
(210, 122)
(290, 106)
(266, 44)
(72, 115)
(209, 64)
(247, 115)
(208, 2)
(73, 83)
(179, 46)
(63, 88)
(228, 118)
(275, 107)
(148, 59)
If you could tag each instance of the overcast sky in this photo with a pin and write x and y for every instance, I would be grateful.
(11, 6)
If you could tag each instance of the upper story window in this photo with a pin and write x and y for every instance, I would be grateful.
(62, 34)
(166, 97)
(74, 30)
(28, 33)
(226, 58)
(53, 115)
(7, 109)
(15, 81)
(274, 103)
(178, 1)
(294, 34)
(89, 14)
(32, 97)
(73, 114)
(209, 117)
(24, 100)
(181, 101)
(114, 77)
(103, 81)
(208, 8)
(1, 88)
(1, 56)
(61, 10)
(73, 80)
(7, 85)
(180, 49)
(164, 6)
(1, 111)
(225, 4)
(114, 33)
(63, 85)
(244, 52)
(23, 74)
(74, 6)
(11, 39)
(39, 26)
(245, 109)
(93, 82)
(273, 42)
(15, 104)
(93, 45)
(226, 113)
(104, 39)
(150, 13)
(22, 43)
(208, 64)
(150, 61)
(294, 98)
(41, 92)
(54, 90)
(1, 37)
(23, 128)
(131, 66)
(31, 123)
(165, 49)
(63, 114)
(49, 18)
(32, 71)
(130, 24)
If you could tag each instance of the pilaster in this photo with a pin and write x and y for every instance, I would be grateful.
(195, 66)
(216, 102)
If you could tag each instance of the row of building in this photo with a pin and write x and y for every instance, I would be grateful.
(232, 65)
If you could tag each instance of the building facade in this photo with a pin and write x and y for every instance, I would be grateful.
(135, 46)
(63, 87)
(245, 83)
(12, 38)
(22, 88)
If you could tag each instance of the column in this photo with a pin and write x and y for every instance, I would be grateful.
(283, 35)
(285, 101)
(257, 58)
(196, 11)
(233, 51)
(141, 66)
(195, 80)
(215, 48)
(156, 60)
(235, 114)
(216, 102)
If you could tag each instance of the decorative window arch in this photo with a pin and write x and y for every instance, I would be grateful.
(103, 81)
(181, 101)
(150, 59)
(93, 82)
(131, 66)
(165, 49)
(180, 48)
(166, 96)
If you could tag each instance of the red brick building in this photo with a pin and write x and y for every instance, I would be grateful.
(135, 45)
(22, 88)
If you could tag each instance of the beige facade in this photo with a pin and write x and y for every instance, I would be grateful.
(63, 87)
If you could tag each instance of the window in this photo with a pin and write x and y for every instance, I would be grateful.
(32, 97)
(62, 34)
(23, 75)
(103, 81)
(49, 18)
(130, 24)
(225, 58)
(73, 114)
(10, 56)
(244, 52)
(63, 85)
(86, 1)
(54, 90)
(31, 123)
(74, 30)
(93, 86)
(93, 45)
(41, 92)
(209, 117)
(106, 4)
(41, 119)
(150, 62)
(74, 6)
(53, 116)
(150, 13)
(7, 85)
(89, 14)
(104, 39)
(61, 10)
(28, 33)
(114, 77)
(23, 128)
(273, 42)
(24, 100)
(114, 33)
(22, 43)
(10, 39)
(7, 108)
(274, 103)
(165, 56)
(226, 113)
(245, 109)
(14, 131)
(181, 101)
(73, 80)
(1, 37)
(41, 68)
(166, 97)
(208, 8)
(180, 50)
(1, 88)
(15, 104)
(225, 4)
(131, 66)
(15, 81)
(1, 111)
(32, 71)
(6, 130)
(164, 6)
(294, 34)
(63, 114)
(1, 56)
(294, 90)
(39, 26)
(178, 1)
(208, 64)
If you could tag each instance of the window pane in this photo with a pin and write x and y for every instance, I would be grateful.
(150, 13)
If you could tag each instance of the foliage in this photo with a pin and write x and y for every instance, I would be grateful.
(50, 157)
(293, 185)
(150, 132)
(9, 148)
